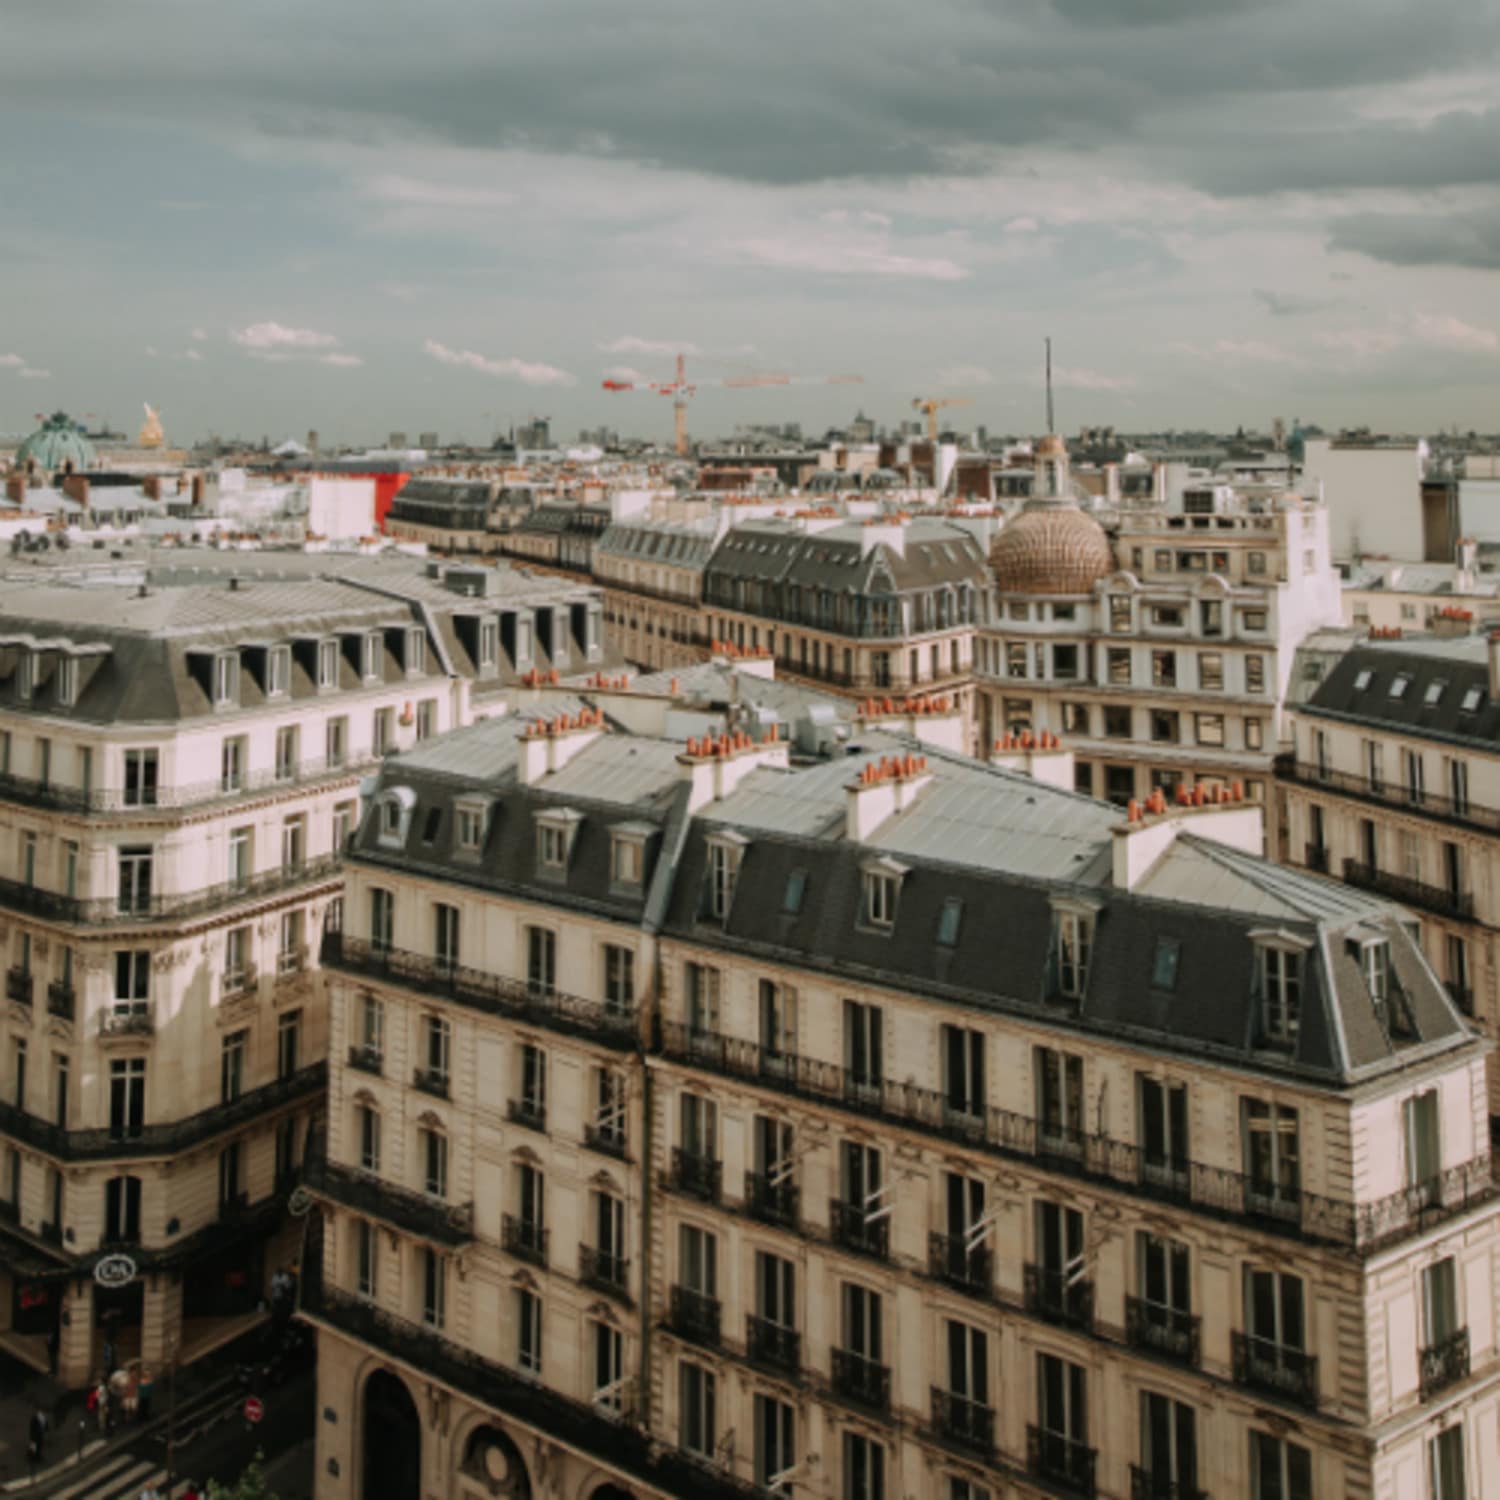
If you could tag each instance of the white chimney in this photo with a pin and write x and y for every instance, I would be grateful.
(549, 744)
(716, 764)
(932, 719)
(1152, 827)
(882, 789)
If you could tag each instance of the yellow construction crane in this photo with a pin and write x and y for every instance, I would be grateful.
(932, 405)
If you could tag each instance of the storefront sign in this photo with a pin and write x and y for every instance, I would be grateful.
(114, 1270)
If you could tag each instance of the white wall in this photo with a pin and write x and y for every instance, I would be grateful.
(341, 508)
(1374, 497)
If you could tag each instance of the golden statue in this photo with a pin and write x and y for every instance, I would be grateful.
(151, 435)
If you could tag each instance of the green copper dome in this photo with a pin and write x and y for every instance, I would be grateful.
(58, 444)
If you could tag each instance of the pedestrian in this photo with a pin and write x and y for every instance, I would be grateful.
(192, 1492)
(143, 1394)
(37, 1435)
(101, 1405)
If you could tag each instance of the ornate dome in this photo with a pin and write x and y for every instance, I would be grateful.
(1052, 547)
(58, 443)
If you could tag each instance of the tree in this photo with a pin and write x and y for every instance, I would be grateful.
(251, 1485)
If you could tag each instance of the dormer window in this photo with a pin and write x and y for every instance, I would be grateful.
(724, 854)
(393, 810)
(627, 854)
(1164, 964)
(1399, 684)
(1473, 697)
(1362, 680)
(328, 665)
(66, 681)
(489, 644)
(796, 889)
(25, 674)
(881, 893)
(278, 671)
(390, 818)
(226, 679)
(416, 651)
(555, 832)
(950, 922)
(1280, 979)
(1073, 946)
(469, 826)
(371, 649)
(1375, 961)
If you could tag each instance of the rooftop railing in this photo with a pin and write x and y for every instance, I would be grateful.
(1396, 795)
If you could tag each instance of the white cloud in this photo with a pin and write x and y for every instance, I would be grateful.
(505, 369)
(1444, 331)
(1255, 351)
(627, 373)
(965, 375)
(260, 338)
(341, 361)
(1361, 343)
(415, 192)
(831, 259)
(1077, 379)
(152, 350)
(28, 373)
(630, 344)
(193, 355)
(1024, 225)
(11, 361)
(200, 334)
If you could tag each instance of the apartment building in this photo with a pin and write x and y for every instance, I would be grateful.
(181, 756)
(1392, 784)
(884, 604)
(1162, 650)
(705, 1124)
(652, 577)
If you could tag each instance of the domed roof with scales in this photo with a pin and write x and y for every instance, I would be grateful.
(57, 444)
(1052, 547)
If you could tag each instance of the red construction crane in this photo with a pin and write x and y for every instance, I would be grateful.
(681, 390)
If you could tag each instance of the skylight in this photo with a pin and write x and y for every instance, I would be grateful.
(1399, 684)
(1473, 697)
(1362, 681)
(1434, 693)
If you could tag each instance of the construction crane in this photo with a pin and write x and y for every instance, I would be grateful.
(681, 390)
(932, 405)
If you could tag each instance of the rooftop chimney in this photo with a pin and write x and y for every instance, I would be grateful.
(151, 486)
(716, 764)
(1152, 827)
(197, 489)
(934, 719)
(549, 744)
(15, 488)
(1494, 655)
(76, 488)
(1042, 756)
(881, 790)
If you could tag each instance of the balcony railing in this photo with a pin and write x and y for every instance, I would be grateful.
(1437, 898)
(1167, 1331)
(152, 906)
(1053, 1295)
(861, 1380)
(956, 1419)
(615, 1441)
(697, 1175)
(1061, 1460)
(488, 993)
(773, 1346)
(62, 1000)
(1215, 1191)
(851, 1227)
(610, 1141)
(1147, 1484)
(773, 1201)
(367, 1059)
(526, 1239)
(1444, 1363)
(434, 1081)
(30, 792)
(418, 1214)
(1275, 1369)
(1316, 858)
(950, 1259)
(18, 986)
(602, 1269)
(531, 1113)
(695, 1315)
(1389, 794)
(138, 1018)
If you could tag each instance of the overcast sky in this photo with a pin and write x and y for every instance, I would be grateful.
(355, 216)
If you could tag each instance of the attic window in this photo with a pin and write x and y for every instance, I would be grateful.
(1280, 976)
(369, 655)
(627, 858)
(1473, 697)
(226, 679)
(950, 921)
(470, 826)
(393, 810)
(724, 855)
(555, 831)
(1375, 963)
(1362, 681)
(1073, 947)
(1399, 684)
(1434, 693)
(25, 674)
(431, 826)
(328, 665)
(1164, 964)
(416, 651)
(796, 888)
(66, 681)
(278, 671)
(882, 891)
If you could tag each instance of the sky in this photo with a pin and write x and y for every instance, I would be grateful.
(359, 217)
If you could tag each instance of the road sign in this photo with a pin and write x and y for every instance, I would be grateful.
(254, 1411)
(114, 1270)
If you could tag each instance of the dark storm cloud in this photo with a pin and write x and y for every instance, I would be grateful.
(1470, 241)
(786, 92)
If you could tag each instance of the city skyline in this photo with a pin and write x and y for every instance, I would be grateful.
(268, 221)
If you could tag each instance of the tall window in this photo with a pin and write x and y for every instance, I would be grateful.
(1164, 1131)
(328, 664)
(1164, 1280)
(286, 752)
(232, 1066)
(541, 961)
(619, 978)
(1446, 1459)
(437, 1038)
(723, 868)
(1062, 1418)
(1275, 1318)
(140, 778)
(367, 1128)
(528, 1331)
(230, 1175)
(1059, 1099)
(533, 1082)
(336, 740)
(132, 981)
(370, 1025)
(241, 857)
(1073, 941)
(1169, 1445)
(609, 1368)
(777, 1006)
(702, 985)
(696, 1415)
(1279, 1470)
(433, 1145)
(127, 1097)
(434, 1288)
(288, 1043)
(382, 919)
(135, 879)
(289, 949)
(1273, 1157)
(293, 843)
(963, 1072)
(1280, 975)
(232, 764)
(609, 1109)
(445, 937)
(1424, 1151)
(864, 1047)
(775, 1441)
(366, 1249)
(122, 1210)
(864, 1467)
(1440, 1320)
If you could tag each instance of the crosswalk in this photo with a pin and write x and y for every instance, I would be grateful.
(125, 1478)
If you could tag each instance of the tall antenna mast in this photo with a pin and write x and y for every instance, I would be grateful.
(1050, 426)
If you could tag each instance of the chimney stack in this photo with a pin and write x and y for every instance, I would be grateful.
(883, 788)
(76, 488)
(151, 486)
(197, 490)
(15, 488)
(549, 744)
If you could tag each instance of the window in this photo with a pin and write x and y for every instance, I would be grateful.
(122, 1210)
(528, 1331)
(1117, 664)
(1119, 614)
(864, 1027)
(1424, 1154)
(1446, 1459)
(1163, 1131)
(232, 1066)
(65, 683)
(1253, 734)
(445, 937)
(416, 652)
(140, 778)
(552, 846)
(70, 867)
(1117, 721)
(1413, 773)
(880, 891)
(541, 961)
(293, 843)
(609, 1109)
(626, 859)
(231, 1177)
(533, 1083)
(489, 644)
(723, 869)
(1164, 669)
(1375, 963)
(1272, 1157)
(18, 1072)
(1211, 617)
(290, 949)
(1062, 1418)
(1164, 961)
(366, 1250)
(1165, 726)
(328, 665)
(469, 826)
(777, 1011)
(61, 1070)
(1075, 718)
(791, 896)
(367, 1127)
(1165, 1292)
(371, 655)
(278, 671)
(864, 1467)
(382, 919)
(28, 858)
(336, 741)
(1015, 659)
(963, 1073)
(1073, 934)
(1280, 979)
(1209, 728)
(135, 880)
(226, 679)
(950, 921)
(775, 1442)
(382, 730)
(609, 1368)
(232, 764)
(434, 1288)
(1440, 1320)
(1275, 1319)
(433, 1145)
(1065, 662)
(241, 843)
(696, 1417)
(288, 1043)
(1059, 1099)
(236, 959)
(1210, 671)
(426, 718)
(436, 1050)
(127, 1096)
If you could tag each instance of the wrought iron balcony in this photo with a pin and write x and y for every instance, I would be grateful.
(1276, 1369)
(956, 1419)
(772, 1345)
(434, 1081)
(610, 1142)
(1389, 794)
(62, 1000)
(695, 1316)
(861, 1380)
(1061, 1460)
(418, 1214)
(1436, 898)
(135, 1019)
(851, 1228)
(487, 993)
(18, 986)
(1444, 1363)
(1052, 1295)
(367, 1059)
(1147, 1484)
(949, 1259)
(526, 1239)
(1101, 1159)
(1164, 1330)
(773, 1201)
(1316, 858)
(603, 1269)
(531, 1113)
(700, 1176)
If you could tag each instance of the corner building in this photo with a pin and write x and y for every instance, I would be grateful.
(703, 1124)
